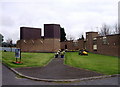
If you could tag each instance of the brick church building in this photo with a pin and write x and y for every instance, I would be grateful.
(32, 41)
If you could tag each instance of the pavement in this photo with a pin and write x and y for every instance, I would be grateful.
(10, 79)
(57, 70)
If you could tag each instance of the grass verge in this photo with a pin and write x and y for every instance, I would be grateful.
(99, 63)
(28, 59)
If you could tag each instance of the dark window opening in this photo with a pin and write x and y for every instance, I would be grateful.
(65, 46)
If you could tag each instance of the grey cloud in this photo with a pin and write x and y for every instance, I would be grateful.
(74, 15)
(7, 21)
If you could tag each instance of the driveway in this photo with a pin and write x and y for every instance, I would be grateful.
(10, 78)
(57, 70)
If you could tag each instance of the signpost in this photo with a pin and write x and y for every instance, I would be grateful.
(18, 56)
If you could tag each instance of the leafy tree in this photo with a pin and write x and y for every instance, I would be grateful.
(62, 35)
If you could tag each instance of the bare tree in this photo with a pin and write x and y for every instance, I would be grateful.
(105, 30)
(116, 29)
(81, 36)
(1, 39)
(9, 41)
(70, 37)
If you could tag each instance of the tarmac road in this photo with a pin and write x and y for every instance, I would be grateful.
(56, 69)
(9, 78)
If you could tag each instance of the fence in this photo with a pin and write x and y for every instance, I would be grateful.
(7, 49)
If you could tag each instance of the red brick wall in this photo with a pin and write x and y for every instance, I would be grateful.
(89, 40)
(71, 45)
(39, 45)
(112, 46)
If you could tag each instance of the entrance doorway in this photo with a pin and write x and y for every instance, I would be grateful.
(65, 46)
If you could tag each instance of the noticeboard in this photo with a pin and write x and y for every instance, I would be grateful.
(17, 53)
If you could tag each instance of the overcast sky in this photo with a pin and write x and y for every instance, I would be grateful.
(76, 16)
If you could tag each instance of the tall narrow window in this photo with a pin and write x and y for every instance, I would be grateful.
(105, 40)
(95, 44)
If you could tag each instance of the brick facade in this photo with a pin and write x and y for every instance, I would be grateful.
(30, 33)
(39, 45)
(108, 45)
(51, 30)
(94, 43)
(72, 45)
(31, 41)
(89, 40)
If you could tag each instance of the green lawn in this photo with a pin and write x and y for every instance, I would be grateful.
(99, 63)
(28, 59)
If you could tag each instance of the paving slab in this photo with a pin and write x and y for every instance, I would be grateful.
(57, 70)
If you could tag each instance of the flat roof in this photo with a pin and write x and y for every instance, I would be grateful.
(30, 27)
(51, 24)
(91, 32)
